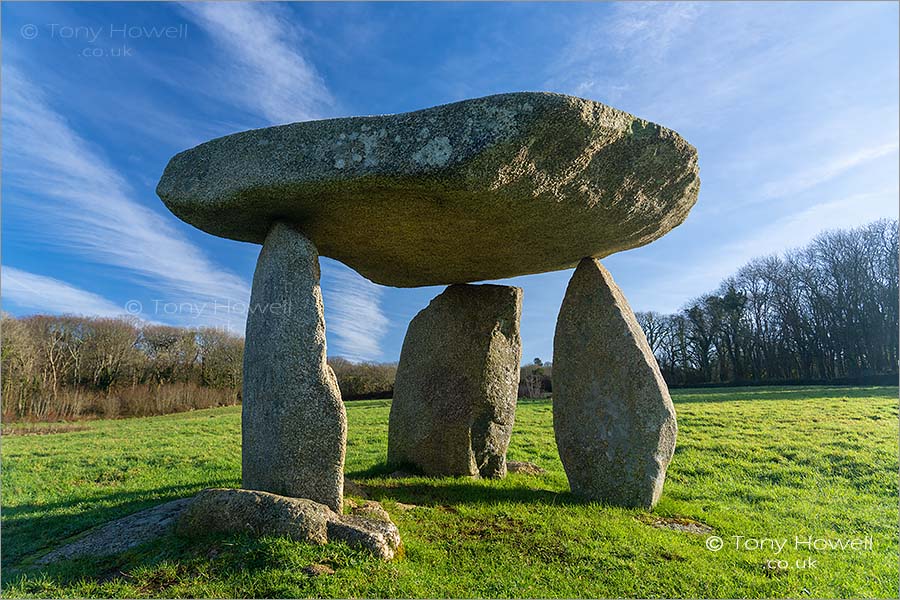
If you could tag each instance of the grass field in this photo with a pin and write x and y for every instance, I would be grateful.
(769, 463)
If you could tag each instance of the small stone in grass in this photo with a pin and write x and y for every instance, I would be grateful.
(526, 468)
(316, 570)
(679, 524)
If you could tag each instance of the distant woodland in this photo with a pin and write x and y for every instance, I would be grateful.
(827, 312)
(824, 312)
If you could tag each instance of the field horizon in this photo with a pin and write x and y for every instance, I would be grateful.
(753, 466)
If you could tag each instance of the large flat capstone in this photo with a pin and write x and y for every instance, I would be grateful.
(482, 189)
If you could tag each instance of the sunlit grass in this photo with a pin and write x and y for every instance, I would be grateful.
(754, 462)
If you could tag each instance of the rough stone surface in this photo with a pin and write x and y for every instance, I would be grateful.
(612, 415)
(294, 428)
(369, 509)
(381, 538)
(262, 513)
(682, 524)
(257, 513)
(351, 488)
(221, 510)
(455, 390)
(481, 189)
(122, 534)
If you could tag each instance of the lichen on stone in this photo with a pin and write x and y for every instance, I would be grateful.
(449, 194)
(435, 153)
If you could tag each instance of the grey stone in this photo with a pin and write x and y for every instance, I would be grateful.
(261, 513)
(294, 428)
(381, 538)
(612, 415)
(682, 524)
(369, 509)
(455, 390)
(317, 570)
(256, 513)
(482, 189)
(222, 510)
(122, 534)
(351, 488)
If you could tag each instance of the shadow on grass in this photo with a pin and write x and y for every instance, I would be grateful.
(451, 494)
(423, 490)
(31, 530)
(99, 569)
(152, 567)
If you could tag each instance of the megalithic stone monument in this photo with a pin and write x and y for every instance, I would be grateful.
(483, 189)
(293, 426)
(612, 415)
(477, 190)
(457, 382)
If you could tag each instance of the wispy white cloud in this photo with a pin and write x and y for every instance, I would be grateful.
(646, 31)
(641, 34)
(80, 203)
(353, 312)
(811, 177)
(267, 73)
(46, 294)
(799, 228)
(697, 65)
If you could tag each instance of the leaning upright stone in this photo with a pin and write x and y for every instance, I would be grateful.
(294, 428)
(613, 418)
(456, 386)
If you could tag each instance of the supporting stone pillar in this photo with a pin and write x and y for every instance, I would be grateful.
(612, 415)
(457, 383)
(294, 429)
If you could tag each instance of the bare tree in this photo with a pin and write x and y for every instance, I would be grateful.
(826, 311)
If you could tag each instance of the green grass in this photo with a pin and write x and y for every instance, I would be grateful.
(755, 462)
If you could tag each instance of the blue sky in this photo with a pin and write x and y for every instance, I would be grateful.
(793, 108)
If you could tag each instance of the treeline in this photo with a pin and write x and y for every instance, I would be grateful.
(65, 367)
(825, 312)
(364, 380)
(536, 379)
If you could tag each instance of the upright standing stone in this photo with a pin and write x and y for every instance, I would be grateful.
(457, 381)
(613, 418)
(293, 424)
